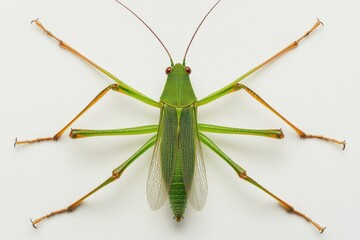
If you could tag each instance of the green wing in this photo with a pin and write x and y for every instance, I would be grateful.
(177, 139)
(192, 161)
(163, 161)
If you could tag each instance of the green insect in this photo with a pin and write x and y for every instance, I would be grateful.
(177, 168)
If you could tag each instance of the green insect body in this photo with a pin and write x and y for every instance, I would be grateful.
(177, 150)
(177, 167)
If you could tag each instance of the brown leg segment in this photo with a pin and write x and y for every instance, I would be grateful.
(74, 205)
(284, 204)
(296, 129)
(65, 45)
(290, 46)
(114, 87)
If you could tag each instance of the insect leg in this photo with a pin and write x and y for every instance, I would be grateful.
(296, 129)
(272, 133)
(127, 89)
(114, 87)
(117, 172)
(243, 175)
(230, 88)
(83, 133)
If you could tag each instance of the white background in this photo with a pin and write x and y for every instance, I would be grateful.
(315, 86)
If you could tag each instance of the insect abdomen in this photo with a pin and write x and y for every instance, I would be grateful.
(177, 193)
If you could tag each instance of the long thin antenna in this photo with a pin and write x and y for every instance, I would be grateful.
(171, 61)
(192, 38)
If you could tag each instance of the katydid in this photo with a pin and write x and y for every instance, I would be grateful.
(177, 167)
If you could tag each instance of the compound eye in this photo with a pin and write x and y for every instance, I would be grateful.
(188, 69)
(168, 70)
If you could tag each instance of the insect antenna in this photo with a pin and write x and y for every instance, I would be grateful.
(192, 38)
(171, 61)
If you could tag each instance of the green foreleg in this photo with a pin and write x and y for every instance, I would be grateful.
(272, 133)
(83, 133)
